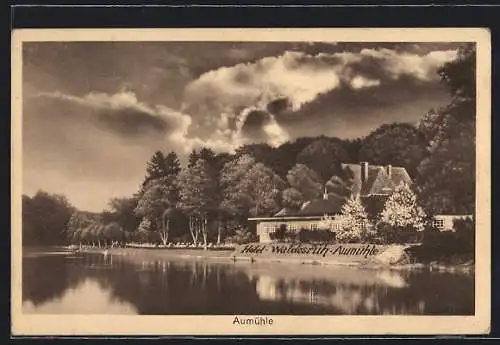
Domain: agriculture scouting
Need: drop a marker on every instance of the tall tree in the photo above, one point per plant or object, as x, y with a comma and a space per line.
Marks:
341, 185
44, 218
121, 211
250, 188
172, 164
447, 175
399, 144
353, 146
286, 155
261, 152
306, 181
262, 188
324, 156
159, 193
154, 202
193, 157
144, 230
460, 75
85, 227
292, 199
235, 202
155, 167
207, 154
216, 164
198, 197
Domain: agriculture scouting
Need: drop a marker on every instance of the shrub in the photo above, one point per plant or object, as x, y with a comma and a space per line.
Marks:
389, 234
242, 236
355, 221
465, 233
322, 236
280, 233
402, 210
447, 246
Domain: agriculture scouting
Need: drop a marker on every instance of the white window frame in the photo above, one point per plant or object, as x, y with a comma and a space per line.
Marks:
438, 223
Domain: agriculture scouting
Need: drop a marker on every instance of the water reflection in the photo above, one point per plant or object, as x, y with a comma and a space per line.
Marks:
94, 283
88, 297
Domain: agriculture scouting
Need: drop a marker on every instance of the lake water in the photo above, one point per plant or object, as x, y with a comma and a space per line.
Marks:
58, 282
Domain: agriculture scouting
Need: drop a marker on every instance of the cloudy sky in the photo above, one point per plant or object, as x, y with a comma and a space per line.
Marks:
94, 112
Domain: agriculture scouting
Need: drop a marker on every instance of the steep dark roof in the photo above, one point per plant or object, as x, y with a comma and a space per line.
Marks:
378, 181
285, 212
319, 207
399, 175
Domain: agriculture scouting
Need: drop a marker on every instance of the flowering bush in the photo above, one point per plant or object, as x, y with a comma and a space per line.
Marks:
356, 225
401, 210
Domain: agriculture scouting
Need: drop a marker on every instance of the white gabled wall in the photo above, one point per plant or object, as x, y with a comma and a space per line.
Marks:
265, 227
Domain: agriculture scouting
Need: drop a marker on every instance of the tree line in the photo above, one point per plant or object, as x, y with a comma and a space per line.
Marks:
210, 198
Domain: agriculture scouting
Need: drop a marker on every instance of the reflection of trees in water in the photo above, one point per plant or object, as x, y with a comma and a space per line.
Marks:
419, 295
191, 287
48, 277
197, 287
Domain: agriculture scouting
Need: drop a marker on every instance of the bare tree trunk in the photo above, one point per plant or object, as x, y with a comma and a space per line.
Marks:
218, 231
193, 229
204, 232
167, 230
164, 231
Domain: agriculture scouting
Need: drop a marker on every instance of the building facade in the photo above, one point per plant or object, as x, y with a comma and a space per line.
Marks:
444, 222
368, 181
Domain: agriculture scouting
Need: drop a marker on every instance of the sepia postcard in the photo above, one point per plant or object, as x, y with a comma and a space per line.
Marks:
206, 182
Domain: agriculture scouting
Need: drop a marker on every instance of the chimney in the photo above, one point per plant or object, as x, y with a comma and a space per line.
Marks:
389, 170
364, 172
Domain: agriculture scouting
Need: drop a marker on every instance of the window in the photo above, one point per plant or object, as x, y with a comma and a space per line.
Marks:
314, 226
269, 228
439, 223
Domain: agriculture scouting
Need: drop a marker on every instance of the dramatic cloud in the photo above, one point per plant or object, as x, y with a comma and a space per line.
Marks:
275, 89
396, 64
300, 78
257, 125
95, 112
256, 84
72, 143
123, 114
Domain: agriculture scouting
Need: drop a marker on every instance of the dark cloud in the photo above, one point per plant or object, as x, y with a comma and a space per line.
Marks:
120, 113
130, 121
255, 120
334, 113
279, 105
94, 112
256, 126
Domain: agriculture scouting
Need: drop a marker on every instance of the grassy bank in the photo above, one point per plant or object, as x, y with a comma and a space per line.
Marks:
228, 256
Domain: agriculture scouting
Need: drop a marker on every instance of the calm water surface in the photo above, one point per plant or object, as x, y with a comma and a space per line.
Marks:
58, 282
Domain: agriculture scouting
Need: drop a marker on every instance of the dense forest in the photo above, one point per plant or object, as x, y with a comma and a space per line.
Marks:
211, 197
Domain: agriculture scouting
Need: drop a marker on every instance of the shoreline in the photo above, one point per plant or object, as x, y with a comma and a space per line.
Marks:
227, 255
